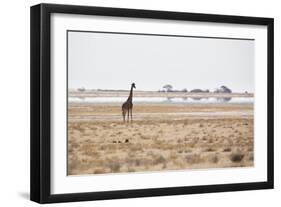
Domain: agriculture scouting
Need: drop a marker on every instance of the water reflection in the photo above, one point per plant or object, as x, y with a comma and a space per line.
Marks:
224, 99
184, 99
196, 98
82, 98
170, 100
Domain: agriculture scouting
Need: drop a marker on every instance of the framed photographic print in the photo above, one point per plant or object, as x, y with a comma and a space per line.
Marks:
133, 103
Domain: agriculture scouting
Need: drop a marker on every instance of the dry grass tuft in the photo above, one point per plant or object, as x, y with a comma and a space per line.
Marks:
99, 171
214, 158
237, 157
159, 160
113, 165
228, 149
209, 149
251, 157
193, 158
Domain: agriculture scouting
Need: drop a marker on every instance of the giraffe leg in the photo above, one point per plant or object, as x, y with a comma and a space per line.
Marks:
131, 115
124, 115
128, 118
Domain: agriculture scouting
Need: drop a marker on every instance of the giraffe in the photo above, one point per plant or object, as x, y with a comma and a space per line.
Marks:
127, 106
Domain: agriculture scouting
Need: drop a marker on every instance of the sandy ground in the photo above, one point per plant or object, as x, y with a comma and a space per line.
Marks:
161, 137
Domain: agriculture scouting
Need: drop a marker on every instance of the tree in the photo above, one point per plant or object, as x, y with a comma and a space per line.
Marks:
226, 89
223, 89
168, 87
82, 89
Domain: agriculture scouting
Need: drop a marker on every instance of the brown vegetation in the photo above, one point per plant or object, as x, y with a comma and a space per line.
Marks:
163, 137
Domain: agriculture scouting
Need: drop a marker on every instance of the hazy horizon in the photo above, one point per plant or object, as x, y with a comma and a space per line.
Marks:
128, 89
113, 61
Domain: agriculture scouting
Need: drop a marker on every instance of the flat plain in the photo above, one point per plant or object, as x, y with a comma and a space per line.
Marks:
162, 136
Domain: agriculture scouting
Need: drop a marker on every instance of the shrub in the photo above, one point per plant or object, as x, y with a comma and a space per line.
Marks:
251, 157
114, 166
214, 159
159, 160
193, 158
228, 149
236, 157
209, 149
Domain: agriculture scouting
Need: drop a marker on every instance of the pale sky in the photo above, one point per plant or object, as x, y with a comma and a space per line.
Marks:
114, 61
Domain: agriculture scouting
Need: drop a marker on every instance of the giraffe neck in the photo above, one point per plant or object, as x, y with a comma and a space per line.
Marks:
131, 95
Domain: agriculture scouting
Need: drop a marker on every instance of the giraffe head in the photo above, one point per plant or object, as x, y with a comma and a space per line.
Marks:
133, 85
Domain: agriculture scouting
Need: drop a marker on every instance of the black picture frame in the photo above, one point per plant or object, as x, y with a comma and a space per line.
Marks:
41, 103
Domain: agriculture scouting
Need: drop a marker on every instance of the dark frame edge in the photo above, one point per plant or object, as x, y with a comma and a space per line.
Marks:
35, 25
270, 103
156, 192
40, 104
156, 14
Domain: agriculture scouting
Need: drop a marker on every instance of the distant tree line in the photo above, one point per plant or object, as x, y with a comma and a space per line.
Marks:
221, 89
169, 88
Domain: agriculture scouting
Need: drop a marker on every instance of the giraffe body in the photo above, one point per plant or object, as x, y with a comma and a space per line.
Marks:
127, 107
